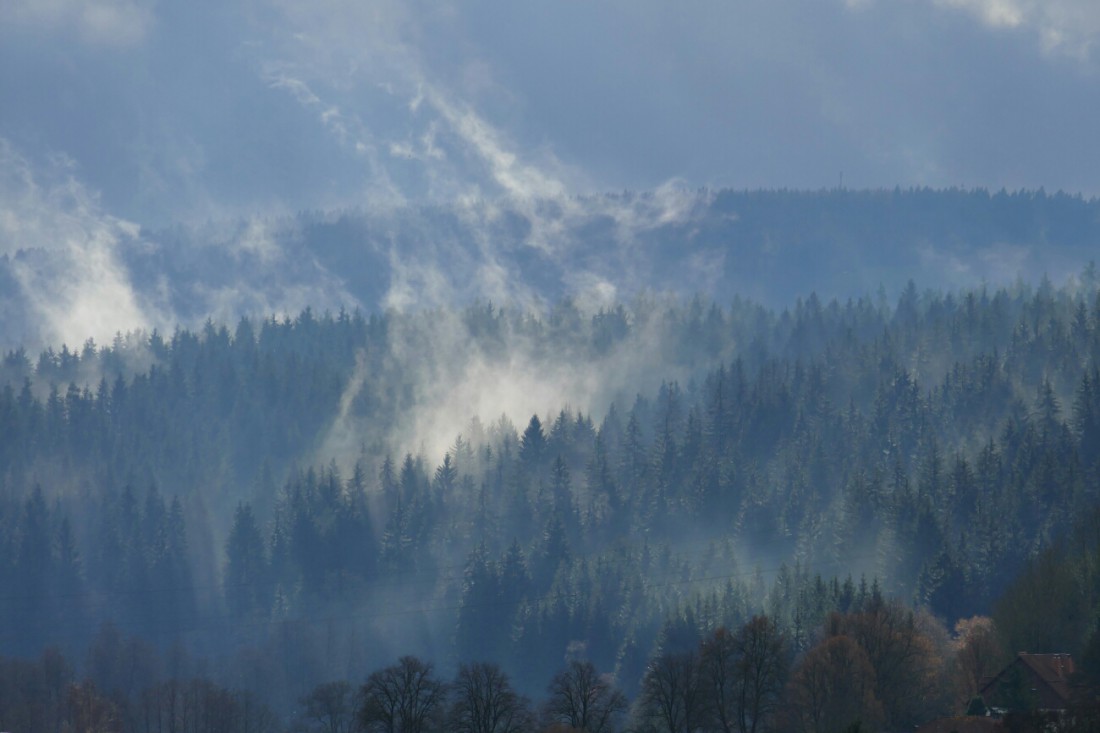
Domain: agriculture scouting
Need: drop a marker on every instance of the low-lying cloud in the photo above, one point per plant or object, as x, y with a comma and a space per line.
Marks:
101, 23
77, 272
485, 365
63, 251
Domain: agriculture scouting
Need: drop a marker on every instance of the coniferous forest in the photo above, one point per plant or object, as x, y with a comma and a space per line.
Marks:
748, 518
436, 366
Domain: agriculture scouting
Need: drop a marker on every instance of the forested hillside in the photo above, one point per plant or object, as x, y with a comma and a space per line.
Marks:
277, 503
406, 366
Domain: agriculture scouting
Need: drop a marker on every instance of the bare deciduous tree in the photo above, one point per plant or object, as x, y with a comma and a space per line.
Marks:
742, 675
762, 669
672, 693
484, 702
583, 699
329, 708
402, 698
254, 716
90, 711
719, 662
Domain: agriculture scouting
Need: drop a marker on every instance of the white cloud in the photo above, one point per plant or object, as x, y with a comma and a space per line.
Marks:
104, 23
1069, 27
346, 128
68, 259
516, 178
1061, 27
333, 57
63, 250
268, 274
996, 13
330, 115
592, 292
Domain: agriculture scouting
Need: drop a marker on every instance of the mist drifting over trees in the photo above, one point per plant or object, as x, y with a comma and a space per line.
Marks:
691, 512
424, 366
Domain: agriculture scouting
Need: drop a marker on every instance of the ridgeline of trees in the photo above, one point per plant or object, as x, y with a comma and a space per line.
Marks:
825, 488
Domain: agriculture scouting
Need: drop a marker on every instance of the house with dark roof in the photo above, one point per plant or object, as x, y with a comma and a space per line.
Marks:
1031, 682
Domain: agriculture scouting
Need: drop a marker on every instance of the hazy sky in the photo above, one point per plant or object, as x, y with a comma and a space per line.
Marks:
172, 111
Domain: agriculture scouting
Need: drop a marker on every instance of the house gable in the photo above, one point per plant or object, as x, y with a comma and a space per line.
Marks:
1031, 682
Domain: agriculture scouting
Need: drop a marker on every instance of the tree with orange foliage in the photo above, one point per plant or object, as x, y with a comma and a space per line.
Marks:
832, 688
978, 656
901, 647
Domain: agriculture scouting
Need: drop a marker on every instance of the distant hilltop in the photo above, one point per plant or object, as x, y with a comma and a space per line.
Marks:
768, 246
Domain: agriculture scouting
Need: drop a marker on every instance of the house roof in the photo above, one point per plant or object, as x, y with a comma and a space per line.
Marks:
1054, 669
1049, 672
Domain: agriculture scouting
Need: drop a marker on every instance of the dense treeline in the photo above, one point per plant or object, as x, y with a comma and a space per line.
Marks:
879, 666
264, 498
